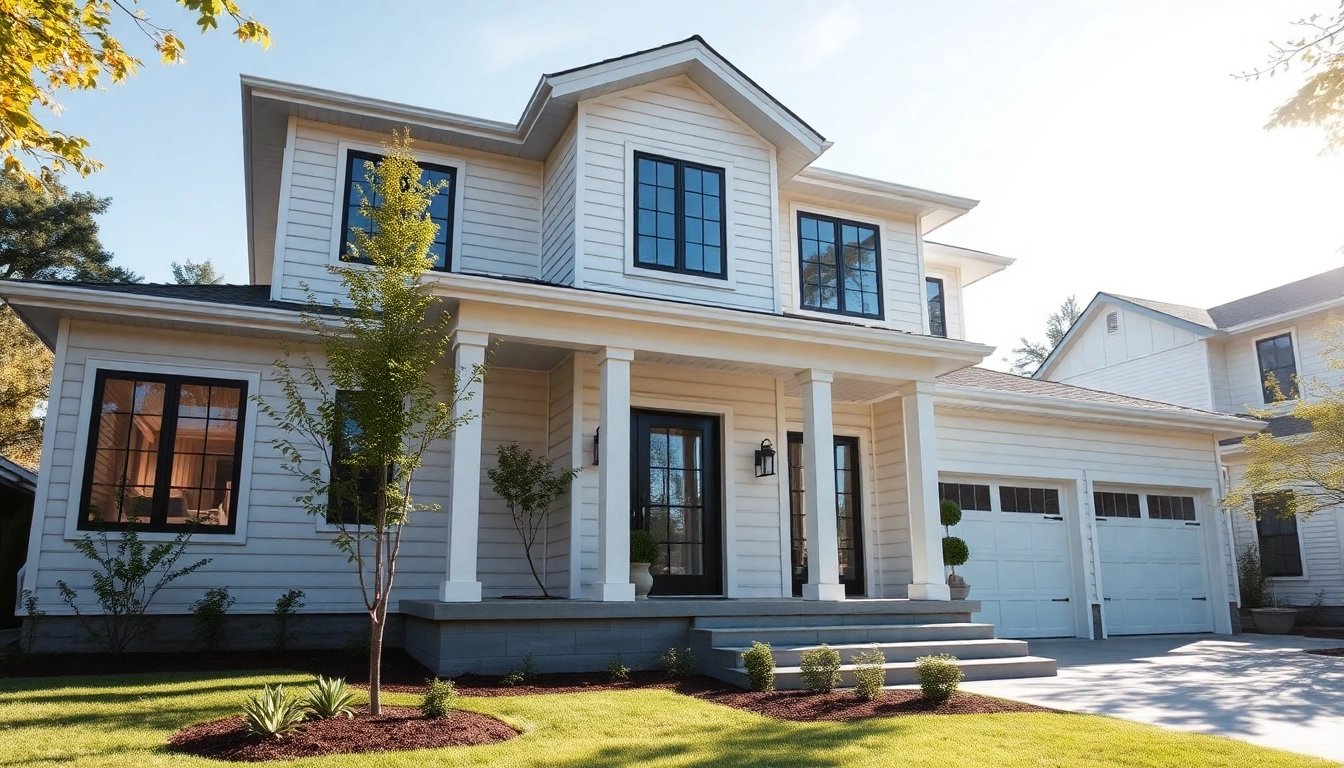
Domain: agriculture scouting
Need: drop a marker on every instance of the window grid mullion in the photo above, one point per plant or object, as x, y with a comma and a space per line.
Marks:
172, 393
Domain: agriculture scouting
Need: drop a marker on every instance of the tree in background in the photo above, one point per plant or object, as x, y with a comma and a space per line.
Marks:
377, 393
1319, 51
1032, 354
50, 45
192, 273
25, 375
1310, 466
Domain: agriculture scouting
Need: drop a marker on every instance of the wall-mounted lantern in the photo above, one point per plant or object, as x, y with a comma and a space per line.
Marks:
597, 440
765, 459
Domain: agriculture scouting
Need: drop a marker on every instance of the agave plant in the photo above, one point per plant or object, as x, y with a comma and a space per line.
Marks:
330, 697
272, 713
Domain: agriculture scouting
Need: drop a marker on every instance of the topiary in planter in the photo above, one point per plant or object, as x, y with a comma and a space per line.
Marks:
820, 669
949, 513
644, 548
955, 552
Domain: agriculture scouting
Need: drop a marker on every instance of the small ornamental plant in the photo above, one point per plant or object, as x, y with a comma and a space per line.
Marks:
522, 675
820, 669
617, 670
760, 665
329, 697
529, 485
679, 662
644, 548
272, 714
208, 616
286, 610
440, 698
870, 673
938, 676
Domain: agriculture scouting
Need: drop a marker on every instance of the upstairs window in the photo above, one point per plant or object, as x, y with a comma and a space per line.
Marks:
839, 266
933, 292
440, 208
164, 453
1276, 357
1280, 548
680, 222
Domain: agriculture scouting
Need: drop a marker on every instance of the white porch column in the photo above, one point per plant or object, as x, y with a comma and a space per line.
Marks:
464, 500
613, 479
921, 478
823, 555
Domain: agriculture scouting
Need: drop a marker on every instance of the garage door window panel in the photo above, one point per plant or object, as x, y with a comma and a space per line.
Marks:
1171, 508
1040, 501
972, 498
1109, 504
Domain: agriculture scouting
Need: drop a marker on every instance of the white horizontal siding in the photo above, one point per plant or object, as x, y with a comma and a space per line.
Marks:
1138, 335
557, 230
676, 119
1179, 375
560, 449
894, 568
1243, 365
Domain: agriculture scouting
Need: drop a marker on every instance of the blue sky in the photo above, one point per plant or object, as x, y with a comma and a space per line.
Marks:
1107, 141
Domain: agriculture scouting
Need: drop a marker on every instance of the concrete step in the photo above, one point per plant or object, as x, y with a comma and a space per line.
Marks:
867, 617
838, 634
791, 655
903, 672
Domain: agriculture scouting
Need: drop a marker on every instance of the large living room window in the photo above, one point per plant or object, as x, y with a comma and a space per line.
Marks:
1276, 358
440, 208
165, 452
680, 221
1280, 548
839, 266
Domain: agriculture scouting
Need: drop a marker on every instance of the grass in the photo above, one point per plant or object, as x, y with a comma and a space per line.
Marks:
123, 721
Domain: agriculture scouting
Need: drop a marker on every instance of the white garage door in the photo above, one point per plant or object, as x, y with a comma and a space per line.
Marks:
1154, 578
1019, 568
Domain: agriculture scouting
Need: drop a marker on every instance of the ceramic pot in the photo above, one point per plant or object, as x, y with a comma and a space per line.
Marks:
642, 579
1274, 621
960, 589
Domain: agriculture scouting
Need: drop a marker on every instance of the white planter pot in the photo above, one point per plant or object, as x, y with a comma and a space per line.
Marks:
642, 579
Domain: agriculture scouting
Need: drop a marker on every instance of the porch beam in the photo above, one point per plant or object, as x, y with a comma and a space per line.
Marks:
823, 557
613, 478
464, 498
921, 480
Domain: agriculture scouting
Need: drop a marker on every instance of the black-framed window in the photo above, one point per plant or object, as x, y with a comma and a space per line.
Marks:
340, 507
680, 216
1276, 357
971, 497
1043, 501
1110, 504
1171, 508
933, 293
164, 452
1280, 548
839, 263
440, 207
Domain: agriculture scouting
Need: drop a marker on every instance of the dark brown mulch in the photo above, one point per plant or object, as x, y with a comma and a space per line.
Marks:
400, 671
398, 728
1327, 652
580, 682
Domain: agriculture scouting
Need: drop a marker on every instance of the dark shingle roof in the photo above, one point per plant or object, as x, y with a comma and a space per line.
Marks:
1280, 426
1276, 301
983, 378
1189, 314
237, 295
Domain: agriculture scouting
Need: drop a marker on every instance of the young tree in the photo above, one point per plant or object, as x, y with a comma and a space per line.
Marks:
1319, 51
1032, 354
1311, 465
376, 392
51, 45
193, 273
529, 484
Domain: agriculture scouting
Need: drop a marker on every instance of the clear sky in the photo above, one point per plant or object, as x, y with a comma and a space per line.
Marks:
1109, 144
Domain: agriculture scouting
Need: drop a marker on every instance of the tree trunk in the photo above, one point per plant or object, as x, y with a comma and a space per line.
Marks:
377, 619
527, 550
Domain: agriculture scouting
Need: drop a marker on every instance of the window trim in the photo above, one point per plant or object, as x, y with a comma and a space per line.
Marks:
344, 147
635, 154
877, 228
187, 369
1291, 333
942, 304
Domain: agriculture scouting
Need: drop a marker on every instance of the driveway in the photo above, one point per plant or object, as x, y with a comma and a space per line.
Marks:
1258, 688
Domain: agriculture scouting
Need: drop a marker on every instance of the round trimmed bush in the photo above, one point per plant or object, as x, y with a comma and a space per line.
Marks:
644, 548
820, 669
955, 551
938, 676
949, 513
760, 665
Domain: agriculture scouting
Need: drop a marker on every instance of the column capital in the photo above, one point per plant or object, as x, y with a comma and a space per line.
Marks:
815, 375
465, 338
615, 353
916, 387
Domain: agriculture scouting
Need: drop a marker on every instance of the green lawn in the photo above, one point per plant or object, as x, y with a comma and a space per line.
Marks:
124, 720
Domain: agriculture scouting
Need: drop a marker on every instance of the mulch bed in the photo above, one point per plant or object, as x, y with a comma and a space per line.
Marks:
1327, 652
397, 728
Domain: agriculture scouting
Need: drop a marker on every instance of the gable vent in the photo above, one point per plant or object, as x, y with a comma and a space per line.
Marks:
1112, 322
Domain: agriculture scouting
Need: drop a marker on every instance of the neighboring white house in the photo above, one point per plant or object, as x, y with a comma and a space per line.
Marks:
648, 257
1218, 359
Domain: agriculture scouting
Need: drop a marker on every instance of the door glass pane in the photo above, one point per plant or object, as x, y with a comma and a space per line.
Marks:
847, 510
676, 499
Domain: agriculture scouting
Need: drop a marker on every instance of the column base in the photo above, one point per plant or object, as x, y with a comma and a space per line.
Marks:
460, 592
614, 592
931, 591
831, 593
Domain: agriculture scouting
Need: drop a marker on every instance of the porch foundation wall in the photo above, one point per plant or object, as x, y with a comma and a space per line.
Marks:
254, 632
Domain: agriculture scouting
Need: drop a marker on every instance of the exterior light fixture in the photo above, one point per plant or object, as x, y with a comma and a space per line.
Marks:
597, 440
765, 459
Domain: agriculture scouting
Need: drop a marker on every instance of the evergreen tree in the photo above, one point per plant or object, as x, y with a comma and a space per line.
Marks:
193, 273
1032, 354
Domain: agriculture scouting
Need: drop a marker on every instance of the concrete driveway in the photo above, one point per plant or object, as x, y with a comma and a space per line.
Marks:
1258, 688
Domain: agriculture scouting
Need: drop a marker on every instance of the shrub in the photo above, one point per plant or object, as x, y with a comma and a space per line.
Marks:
949, 513
938, 676
33, 616
617, 669
208, 617
529, 484
679, 662
820, 669
440, 698
330, 697
870, 674
272, 713
955, 551
760, 664
643, 547
285, 609
524, 674
1252, 579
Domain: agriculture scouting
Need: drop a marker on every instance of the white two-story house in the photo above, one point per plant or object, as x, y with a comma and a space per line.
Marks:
1219, 359
665, 287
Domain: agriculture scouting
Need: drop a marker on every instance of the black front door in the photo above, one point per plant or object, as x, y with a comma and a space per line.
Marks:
848, 513
677, 489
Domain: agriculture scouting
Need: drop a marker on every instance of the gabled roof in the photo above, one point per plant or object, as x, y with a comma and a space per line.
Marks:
1308, 292
1194, 315
984, 378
